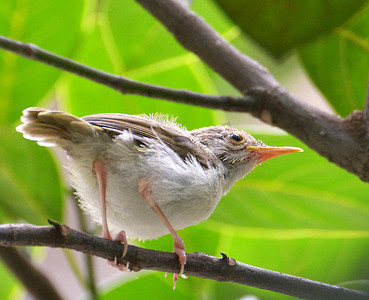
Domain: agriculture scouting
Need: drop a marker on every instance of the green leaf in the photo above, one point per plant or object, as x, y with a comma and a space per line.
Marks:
30, 186
281, 25
49, 24
338, 64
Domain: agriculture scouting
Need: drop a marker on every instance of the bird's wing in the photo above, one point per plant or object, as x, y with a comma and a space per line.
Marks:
143, 127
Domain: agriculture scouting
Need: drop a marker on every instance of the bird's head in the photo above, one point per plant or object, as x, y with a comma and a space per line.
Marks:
238, 151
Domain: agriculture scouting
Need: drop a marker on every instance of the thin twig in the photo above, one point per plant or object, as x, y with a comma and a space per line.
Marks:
120, 83
198, 264
37, 284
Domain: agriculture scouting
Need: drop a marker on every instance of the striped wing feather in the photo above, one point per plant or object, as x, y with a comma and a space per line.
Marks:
171, 135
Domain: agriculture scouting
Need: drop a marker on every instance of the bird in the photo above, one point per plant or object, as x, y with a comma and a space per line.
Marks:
144, 176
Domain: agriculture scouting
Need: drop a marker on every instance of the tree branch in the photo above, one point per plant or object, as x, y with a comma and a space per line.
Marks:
119, 83
36, 283
340, 141
198, 264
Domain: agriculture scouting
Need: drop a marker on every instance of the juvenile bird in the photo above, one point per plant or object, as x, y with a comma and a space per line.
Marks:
146, 174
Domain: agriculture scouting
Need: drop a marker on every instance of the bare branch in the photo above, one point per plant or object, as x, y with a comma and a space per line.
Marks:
36, 283
122, 84
198, 264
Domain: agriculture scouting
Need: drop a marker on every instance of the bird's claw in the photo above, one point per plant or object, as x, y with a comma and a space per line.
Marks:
179, 249
122, 238
114, 263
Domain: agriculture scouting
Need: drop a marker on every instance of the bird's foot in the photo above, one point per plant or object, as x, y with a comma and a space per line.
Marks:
179, 249
114, 263
122, 238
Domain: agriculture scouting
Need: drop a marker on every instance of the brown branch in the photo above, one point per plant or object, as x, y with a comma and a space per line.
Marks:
36, 283
340, 141
119, 83
198, 264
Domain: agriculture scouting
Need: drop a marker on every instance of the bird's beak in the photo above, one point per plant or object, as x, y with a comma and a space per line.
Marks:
266, 153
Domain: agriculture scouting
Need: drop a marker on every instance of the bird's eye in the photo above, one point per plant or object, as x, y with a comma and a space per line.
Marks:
235, 137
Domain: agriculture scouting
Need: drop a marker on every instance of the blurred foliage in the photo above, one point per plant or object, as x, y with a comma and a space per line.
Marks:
297, 214
9, 289
30, 187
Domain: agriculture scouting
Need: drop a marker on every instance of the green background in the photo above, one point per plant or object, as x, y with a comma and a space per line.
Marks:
297, 214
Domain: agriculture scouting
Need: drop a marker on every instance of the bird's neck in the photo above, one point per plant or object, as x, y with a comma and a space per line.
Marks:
232, 175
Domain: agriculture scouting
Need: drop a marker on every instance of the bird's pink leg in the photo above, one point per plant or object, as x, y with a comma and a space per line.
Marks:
100, 172
178, 245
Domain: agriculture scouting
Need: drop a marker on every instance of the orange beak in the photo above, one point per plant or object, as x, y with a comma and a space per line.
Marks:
266, 153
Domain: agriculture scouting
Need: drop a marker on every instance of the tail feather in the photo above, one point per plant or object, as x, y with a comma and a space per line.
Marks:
30, 114
53, 128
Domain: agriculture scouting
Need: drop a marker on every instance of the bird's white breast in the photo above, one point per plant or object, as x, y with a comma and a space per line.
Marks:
186, 193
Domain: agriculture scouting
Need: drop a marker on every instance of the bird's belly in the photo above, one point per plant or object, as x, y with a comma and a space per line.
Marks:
186, 199
128, 211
